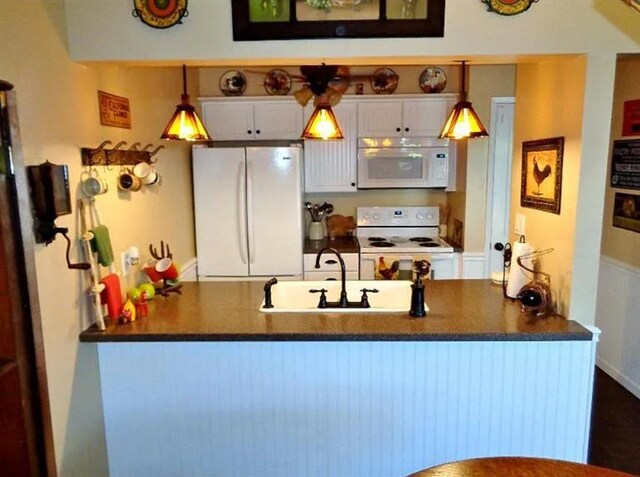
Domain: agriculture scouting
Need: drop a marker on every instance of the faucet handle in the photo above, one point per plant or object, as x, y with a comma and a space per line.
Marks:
323, 298
364, 300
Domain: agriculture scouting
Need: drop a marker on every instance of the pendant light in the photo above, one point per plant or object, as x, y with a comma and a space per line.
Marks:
463, 122
322, 124
185, 124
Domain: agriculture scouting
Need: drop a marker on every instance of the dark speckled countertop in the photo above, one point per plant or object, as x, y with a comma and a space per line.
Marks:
341, 244
461, 310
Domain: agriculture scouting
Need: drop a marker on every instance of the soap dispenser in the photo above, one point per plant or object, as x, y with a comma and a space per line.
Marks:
418, 310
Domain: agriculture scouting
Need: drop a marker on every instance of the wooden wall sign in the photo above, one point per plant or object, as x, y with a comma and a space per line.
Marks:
114, 110
625, 165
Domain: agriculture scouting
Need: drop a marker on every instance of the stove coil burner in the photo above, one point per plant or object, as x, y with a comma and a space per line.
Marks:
429, 244
382, 244
377, 239
421, 239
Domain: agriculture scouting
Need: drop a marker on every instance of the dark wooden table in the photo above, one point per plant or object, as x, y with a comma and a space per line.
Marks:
517, 467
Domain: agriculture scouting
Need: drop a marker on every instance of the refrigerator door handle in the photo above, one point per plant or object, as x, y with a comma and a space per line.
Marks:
242, 205
250, 225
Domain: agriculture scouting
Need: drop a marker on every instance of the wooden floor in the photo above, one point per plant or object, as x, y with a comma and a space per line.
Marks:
615, 429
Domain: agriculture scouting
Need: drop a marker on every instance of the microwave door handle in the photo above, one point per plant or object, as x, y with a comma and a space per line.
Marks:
242, 205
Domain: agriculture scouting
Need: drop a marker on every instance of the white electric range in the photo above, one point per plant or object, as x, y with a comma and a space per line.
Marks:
392, 239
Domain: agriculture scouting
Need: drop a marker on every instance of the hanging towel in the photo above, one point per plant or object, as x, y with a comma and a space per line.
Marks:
386, 268
101, 243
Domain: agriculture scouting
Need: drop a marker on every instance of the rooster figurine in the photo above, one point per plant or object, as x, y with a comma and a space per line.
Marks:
388, 272
540, 175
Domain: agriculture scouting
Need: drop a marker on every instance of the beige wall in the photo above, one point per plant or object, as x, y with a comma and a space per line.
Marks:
549, 103
58, 113
621, 244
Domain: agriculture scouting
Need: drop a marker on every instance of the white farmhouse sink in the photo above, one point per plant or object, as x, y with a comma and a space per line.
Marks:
294, 297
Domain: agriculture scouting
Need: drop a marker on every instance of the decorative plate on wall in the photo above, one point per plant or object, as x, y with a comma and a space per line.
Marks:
384, 81
508, 7
277, 82
233, 83
160, 13
433, 80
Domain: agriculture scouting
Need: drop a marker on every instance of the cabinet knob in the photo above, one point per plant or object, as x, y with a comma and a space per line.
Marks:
398, 129
406, 129
353, 184
257, 131
248, 131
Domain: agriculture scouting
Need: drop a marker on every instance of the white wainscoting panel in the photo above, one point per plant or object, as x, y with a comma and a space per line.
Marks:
618, 316
340, 408
189, 271
473, 265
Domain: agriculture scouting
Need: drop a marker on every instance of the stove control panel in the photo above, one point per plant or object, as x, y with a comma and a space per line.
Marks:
398, 216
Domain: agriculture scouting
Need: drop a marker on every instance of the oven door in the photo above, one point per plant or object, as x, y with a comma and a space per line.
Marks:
402, 167
388, 266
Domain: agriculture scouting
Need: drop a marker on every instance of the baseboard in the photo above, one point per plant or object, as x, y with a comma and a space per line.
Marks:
188, 272
627, 383
620, 265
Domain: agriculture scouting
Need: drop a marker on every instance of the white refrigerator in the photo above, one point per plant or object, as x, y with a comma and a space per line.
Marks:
248, 211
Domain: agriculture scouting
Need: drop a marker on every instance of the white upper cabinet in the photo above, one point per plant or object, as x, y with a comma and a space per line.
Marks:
249, 118
331, 166
419, 116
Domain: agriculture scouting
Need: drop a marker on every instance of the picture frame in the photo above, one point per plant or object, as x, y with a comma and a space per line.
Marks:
257, 20
541, 180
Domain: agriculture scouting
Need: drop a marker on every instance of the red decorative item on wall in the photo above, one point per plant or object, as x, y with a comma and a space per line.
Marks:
631, 118
160, 13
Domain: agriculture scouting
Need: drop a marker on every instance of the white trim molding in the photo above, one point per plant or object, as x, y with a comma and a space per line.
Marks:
617, 316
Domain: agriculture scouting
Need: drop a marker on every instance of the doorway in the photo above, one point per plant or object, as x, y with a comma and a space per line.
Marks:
499, 181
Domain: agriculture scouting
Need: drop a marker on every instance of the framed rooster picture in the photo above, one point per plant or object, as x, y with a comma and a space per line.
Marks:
541, 186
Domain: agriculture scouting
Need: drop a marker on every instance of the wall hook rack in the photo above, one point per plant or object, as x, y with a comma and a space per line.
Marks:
118, 154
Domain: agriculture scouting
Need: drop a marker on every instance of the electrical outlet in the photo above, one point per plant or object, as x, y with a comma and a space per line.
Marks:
520, 225
125, 260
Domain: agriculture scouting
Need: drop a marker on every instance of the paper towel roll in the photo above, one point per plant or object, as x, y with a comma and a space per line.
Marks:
517, 276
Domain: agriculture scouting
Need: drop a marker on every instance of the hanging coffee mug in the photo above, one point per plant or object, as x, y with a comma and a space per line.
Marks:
92, 184
128, 182
146, 173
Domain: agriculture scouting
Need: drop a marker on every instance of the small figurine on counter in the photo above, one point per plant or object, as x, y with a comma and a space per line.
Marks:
129, 310
142, 307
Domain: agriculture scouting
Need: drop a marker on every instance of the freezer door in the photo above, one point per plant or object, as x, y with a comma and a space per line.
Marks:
274, 210
219, 179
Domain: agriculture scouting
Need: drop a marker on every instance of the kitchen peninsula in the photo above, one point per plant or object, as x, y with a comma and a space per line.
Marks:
208, 385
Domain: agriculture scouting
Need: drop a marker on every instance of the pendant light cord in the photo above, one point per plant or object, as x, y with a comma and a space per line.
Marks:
463, 86
184, 79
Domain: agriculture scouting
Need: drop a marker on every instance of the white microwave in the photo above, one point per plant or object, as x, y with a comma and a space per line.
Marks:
402, 163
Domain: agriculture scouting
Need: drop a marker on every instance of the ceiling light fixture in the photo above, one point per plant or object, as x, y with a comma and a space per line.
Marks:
463, 122
185, 125
322, 124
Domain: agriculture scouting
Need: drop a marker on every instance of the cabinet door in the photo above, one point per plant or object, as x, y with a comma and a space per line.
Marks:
331, 166
425, 117
379, 118
278, 120
445, 266
227, 121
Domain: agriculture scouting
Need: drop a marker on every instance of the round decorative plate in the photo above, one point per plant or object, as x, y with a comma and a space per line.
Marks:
508, 7
160, 13
384, 81
433, 80
233, 83
277, 82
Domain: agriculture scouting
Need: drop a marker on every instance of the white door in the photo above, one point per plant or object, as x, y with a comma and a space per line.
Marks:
277, 120
228, 121
220, 211
499, 180
425, 117
274, 211
331, 166
378, 118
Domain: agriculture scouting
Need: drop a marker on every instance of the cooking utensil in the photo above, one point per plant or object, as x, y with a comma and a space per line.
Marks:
96, 287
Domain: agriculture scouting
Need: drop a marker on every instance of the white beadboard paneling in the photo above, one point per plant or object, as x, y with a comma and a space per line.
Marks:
340, 408
473, 264
618, 318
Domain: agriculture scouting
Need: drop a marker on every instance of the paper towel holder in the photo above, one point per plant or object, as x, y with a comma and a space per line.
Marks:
535, 297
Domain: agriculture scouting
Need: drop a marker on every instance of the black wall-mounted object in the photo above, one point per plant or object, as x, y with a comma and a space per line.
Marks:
51, 198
